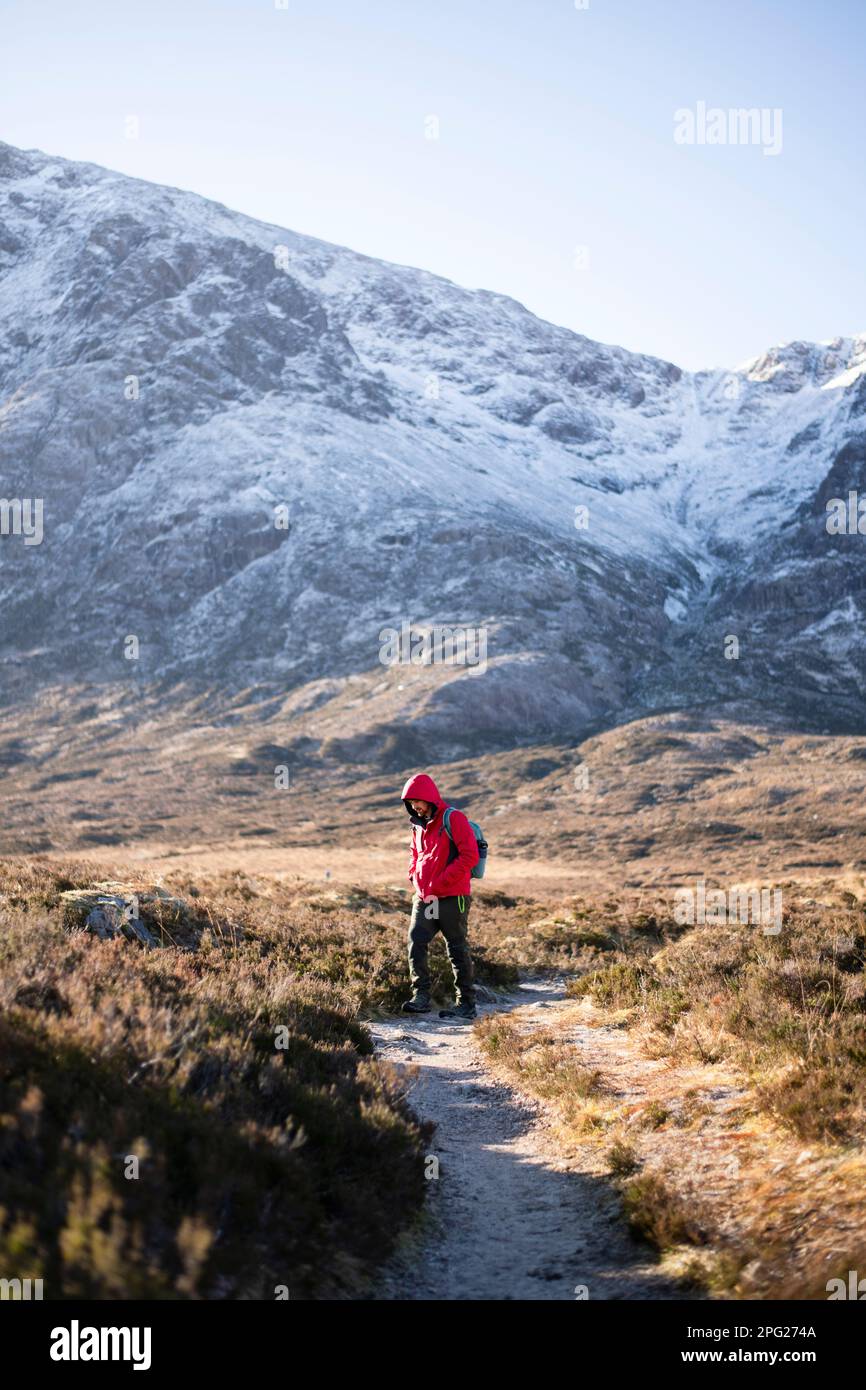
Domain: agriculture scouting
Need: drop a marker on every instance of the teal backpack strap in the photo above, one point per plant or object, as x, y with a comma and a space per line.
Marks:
453, 852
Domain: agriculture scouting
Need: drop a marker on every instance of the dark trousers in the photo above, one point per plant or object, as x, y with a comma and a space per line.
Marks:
453, 925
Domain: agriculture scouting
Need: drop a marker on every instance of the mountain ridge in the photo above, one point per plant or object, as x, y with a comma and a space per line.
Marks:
435, 451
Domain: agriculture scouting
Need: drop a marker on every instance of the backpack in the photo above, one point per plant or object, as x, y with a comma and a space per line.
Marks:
477, 870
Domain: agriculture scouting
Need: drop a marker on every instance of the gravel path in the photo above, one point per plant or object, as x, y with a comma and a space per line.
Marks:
507, 1217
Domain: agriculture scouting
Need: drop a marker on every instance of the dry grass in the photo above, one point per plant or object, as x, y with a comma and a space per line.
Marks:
263, 1166
272, 1148
789, 1010
658, 1214
546, 1068
260, 1165
732, 1113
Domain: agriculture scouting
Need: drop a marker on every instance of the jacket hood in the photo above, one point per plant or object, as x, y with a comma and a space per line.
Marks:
421, 788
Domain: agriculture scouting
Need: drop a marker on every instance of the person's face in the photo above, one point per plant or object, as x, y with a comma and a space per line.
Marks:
421, 808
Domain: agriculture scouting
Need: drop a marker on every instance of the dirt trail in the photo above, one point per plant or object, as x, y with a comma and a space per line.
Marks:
508, 1216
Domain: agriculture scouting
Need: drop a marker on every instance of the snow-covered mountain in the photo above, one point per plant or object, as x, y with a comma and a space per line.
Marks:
256, 450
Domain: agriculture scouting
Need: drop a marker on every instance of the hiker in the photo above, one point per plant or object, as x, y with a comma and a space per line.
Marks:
439, 872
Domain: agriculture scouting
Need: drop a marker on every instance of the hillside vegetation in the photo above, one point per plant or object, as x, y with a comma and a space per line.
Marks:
720, 1070
230, 1068
273, 1150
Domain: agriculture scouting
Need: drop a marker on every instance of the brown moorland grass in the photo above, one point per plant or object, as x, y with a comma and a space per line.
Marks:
722, 1070
788, 1009
546, 1068
259, 1165
272, 1149
263, 1166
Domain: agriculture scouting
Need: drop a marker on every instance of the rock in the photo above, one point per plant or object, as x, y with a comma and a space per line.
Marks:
116, 916
110, 909
101, 923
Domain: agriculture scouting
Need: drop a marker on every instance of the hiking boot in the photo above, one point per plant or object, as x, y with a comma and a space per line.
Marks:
459, 1011
418, 1004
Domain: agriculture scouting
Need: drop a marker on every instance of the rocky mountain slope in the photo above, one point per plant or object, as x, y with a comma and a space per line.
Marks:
255, 451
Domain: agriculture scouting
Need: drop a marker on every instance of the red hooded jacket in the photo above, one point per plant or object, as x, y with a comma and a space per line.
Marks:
429, 871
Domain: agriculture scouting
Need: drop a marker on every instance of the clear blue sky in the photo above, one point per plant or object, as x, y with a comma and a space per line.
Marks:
556, 132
